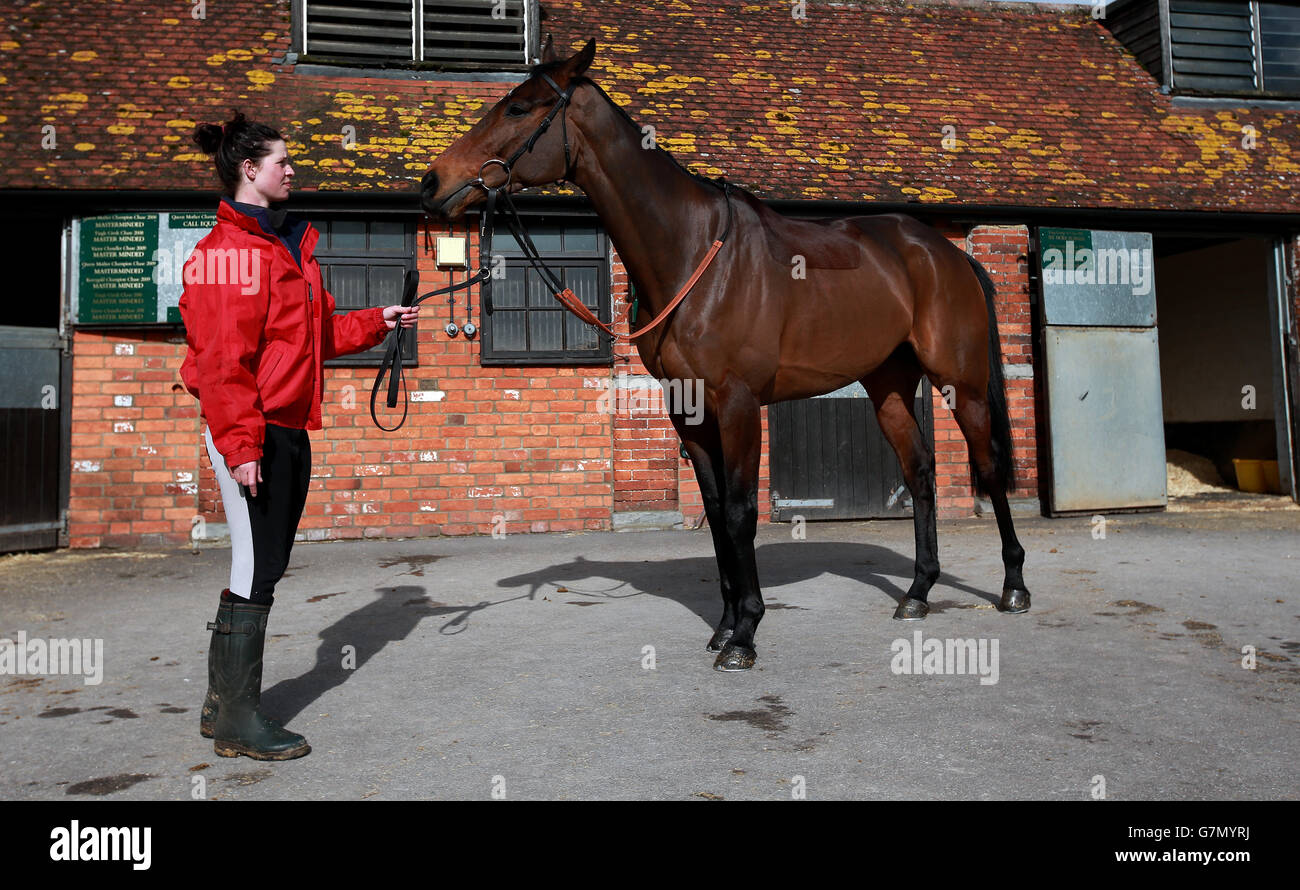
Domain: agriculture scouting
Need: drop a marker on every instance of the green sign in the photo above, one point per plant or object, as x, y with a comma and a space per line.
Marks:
1070, 242
127, 266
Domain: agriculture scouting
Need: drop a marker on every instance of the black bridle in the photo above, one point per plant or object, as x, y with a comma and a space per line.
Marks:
391, 364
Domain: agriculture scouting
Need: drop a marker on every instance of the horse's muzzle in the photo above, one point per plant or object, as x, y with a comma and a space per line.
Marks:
428, 189
450, 207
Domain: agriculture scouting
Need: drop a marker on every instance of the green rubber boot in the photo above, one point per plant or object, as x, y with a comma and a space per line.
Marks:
240, 728
208, 713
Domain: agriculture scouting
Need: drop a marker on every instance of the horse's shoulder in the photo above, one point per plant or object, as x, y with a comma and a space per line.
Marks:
823, 243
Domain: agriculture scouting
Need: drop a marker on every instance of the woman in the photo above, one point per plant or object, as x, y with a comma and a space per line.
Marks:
258, 324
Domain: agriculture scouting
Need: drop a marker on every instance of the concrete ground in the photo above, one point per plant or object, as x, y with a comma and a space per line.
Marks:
520, 666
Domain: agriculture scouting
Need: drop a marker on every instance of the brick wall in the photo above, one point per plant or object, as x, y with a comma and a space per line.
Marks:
134, 475
1004, 252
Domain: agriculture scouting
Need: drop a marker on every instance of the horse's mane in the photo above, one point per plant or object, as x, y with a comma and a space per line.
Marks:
549, 67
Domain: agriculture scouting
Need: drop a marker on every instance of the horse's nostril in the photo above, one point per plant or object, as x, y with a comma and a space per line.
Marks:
428, 188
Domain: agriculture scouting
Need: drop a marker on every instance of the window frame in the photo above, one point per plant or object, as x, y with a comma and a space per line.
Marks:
598, 259
404, 259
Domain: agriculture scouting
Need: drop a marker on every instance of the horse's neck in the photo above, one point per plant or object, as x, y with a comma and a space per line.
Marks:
657, 216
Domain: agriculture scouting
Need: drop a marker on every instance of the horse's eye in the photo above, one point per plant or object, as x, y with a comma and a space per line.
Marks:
516, 110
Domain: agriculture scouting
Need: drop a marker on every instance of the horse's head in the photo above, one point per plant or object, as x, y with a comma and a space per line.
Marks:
496, 149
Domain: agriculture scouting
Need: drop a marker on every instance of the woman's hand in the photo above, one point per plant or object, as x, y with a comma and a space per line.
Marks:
249, 474
406, 315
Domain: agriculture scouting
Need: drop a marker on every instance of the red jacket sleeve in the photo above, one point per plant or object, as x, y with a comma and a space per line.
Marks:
350, 332
228, 325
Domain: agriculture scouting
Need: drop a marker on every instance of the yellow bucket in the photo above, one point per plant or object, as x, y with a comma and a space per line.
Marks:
1250, 475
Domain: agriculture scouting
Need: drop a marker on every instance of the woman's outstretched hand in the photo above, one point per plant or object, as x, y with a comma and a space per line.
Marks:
407, 316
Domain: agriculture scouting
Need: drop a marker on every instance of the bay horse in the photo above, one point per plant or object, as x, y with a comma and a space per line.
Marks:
884, 299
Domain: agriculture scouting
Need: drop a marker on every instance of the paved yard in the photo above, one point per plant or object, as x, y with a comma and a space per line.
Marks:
522, 666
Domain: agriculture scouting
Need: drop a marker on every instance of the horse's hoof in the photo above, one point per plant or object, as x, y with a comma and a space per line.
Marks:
911, 609
735, 658
719, 639
1014, 600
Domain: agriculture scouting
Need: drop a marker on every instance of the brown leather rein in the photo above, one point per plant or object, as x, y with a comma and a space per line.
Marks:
574, 304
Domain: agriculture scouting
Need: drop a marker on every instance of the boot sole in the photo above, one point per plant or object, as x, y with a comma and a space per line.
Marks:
234, 749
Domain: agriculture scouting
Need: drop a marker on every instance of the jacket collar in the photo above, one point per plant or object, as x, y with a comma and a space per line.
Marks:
260, 224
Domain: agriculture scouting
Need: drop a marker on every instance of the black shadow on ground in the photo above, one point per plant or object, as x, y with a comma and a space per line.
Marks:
690, 581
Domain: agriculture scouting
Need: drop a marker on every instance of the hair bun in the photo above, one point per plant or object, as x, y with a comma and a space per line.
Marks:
208, 137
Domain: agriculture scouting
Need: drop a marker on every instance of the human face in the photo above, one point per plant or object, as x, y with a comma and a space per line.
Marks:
272, 177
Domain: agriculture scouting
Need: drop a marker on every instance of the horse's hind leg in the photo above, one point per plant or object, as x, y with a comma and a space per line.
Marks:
973, 416
892, 388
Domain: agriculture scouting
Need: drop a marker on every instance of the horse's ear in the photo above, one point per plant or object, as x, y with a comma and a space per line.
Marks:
548, 51
578, 65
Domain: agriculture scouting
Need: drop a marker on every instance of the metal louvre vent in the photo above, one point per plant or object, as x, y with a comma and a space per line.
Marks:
1212, 45
467, 34
361, 30
1279, 32
475, 33
1219, 47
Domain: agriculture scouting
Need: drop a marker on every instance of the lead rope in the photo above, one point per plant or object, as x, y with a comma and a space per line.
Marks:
391, 363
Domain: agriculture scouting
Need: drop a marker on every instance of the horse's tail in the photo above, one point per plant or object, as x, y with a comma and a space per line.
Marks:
999, 420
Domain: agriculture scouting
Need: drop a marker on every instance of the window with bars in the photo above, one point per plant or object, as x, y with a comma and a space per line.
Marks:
498, 35
363, 263
528, 326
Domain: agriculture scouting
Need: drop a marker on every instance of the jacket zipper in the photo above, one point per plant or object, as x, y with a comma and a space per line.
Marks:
311, 330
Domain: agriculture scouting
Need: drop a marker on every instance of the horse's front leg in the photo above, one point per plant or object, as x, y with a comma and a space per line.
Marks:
702, 445
741, 438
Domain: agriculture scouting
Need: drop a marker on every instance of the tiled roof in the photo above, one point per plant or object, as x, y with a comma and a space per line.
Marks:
851, 102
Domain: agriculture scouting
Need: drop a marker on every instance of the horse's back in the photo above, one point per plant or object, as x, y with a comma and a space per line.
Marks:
849, 242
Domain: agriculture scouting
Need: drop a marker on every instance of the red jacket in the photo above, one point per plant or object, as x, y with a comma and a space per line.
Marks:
258, 328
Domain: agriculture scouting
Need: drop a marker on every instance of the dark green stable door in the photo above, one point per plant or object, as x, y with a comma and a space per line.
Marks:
828, 458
